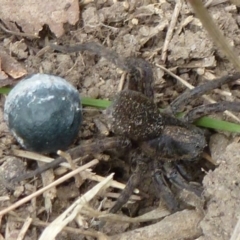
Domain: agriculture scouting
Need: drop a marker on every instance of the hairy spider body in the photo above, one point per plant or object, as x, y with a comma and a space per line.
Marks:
136, 117
176, 143
160, 139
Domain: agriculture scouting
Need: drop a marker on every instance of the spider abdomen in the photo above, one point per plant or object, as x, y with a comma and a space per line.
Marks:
135, 116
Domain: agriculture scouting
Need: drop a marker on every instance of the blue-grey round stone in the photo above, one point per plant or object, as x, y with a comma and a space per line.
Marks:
44, 113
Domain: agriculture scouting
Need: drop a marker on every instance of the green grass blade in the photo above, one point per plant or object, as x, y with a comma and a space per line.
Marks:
216, 124
5, 90
205, 122
98, 103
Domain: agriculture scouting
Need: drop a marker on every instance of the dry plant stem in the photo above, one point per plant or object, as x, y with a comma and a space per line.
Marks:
76, 231
34, 200
78, 178
171, 28
102, 128
42, 190
236, 232
47, 208
4, 198
70, 214
121, 82
209, 158
223, 92
116, 195
98, 178
155, 214
188, 85
79, 151
181, 80
31, 155
85, 174
214, 32
28, 35
42, 51
73, 66
214, 3
1, 218
47, 178
24, 229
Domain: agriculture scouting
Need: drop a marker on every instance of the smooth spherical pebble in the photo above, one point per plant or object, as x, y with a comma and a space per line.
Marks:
44, 113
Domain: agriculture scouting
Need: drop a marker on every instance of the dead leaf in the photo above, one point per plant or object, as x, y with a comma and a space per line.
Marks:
10, 66
31, 15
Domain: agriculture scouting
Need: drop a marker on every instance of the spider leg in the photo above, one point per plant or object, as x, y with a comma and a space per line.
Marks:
165, 193
140, 72
175, 177
204, 110
132, 183
97, 49
198, 91
140, 77
183, 171
79, 151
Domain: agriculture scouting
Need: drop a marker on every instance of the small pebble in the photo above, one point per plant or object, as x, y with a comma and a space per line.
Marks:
44, 113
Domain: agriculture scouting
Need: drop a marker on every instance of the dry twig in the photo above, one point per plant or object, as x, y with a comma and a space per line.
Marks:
70, 214
67, 156
42, 190
214, 32
171, 28
24, 229
85, 174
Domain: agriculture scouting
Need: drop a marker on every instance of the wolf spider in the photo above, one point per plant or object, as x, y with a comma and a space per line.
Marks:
160, 138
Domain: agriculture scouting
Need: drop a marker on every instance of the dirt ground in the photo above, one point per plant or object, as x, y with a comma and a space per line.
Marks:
133, 28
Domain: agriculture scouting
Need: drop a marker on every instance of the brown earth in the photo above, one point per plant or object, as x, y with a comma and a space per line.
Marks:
134, 28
